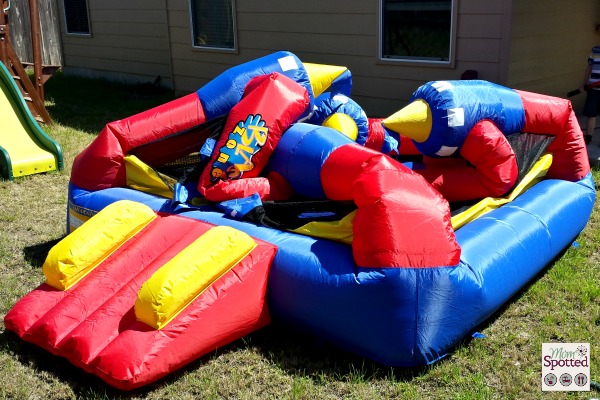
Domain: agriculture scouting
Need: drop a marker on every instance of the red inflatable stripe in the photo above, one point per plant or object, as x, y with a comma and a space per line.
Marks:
484, 175
101, 166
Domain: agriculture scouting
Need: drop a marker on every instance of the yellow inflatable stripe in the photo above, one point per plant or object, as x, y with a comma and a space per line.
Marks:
340, 231
142, 177
321, 76
535, 174
85, 248
183, 278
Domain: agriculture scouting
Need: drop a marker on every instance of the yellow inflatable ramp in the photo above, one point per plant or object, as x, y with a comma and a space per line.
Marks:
25, 148
187, 275
79, 253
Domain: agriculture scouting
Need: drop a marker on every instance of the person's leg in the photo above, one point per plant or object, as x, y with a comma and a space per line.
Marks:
591, 125
590, 110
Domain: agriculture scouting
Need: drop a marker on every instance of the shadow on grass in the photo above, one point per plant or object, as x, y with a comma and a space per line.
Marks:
83, 384
297, 354
38, 359
300, 355
89, 104
304, 355
36, 254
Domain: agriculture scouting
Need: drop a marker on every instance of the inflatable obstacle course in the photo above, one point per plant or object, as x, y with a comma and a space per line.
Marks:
353, 243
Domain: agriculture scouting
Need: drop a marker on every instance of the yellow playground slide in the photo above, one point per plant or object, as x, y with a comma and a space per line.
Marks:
25, 148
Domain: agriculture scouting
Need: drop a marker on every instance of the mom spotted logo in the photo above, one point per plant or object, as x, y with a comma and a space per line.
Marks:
565, 366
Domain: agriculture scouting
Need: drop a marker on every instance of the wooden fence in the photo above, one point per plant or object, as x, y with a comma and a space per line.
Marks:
20, 31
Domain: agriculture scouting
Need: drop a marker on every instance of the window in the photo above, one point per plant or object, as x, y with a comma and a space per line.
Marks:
213, 24
77, 18
417, 30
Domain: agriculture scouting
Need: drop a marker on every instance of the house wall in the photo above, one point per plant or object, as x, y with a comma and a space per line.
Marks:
505, 41
128, 42
339, 33
550, 43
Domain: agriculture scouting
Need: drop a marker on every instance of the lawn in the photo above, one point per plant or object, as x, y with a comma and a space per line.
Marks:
561, 305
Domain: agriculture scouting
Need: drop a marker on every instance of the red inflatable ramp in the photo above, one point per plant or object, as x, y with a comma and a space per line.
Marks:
132, 296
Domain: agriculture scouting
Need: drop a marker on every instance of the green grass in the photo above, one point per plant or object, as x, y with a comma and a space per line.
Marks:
563, 304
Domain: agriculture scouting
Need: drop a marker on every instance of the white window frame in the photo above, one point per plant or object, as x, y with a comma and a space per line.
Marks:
233, 49
420, 61
89, 23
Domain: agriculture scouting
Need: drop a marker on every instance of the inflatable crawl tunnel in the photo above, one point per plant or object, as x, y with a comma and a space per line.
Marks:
272, 217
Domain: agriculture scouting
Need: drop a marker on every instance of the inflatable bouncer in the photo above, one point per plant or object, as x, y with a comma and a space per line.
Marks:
269, 195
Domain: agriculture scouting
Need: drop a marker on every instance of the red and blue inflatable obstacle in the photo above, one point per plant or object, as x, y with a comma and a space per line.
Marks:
178, 128
405, 293
471, 120
319, 163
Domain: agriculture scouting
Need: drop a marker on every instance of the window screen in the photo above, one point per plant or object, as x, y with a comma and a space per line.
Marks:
213, 23
76, 16
416, 30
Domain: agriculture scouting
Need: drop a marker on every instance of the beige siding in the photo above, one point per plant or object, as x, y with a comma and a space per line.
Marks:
129, 41
339, 33
550, 42
533, 45
481, 38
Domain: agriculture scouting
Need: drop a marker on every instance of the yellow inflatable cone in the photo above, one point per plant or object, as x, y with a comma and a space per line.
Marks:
413, 121
321, 76
343, 123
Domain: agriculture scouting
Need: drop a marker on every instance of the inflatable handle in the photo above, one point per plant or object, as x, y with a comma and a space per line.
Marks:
80, 252
181, 280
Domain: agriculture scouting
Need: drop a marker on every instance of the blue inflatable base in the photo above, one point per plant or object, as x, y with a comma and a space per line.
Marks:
403, 316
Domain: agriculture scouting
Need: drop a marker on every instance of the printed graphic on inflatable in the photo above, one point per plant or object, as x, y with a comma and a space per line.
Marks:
268, 196
235, 157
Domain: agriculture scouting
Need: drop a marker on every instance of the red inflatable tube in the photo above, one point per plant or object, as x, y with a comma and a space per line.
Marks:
101, 166
271, 103
376, 134
395, 205
485, 176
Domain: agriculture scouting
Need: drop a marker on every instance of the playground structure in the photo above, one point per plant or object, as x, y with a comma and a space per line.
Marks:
33, 92
306, 226
25, 148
